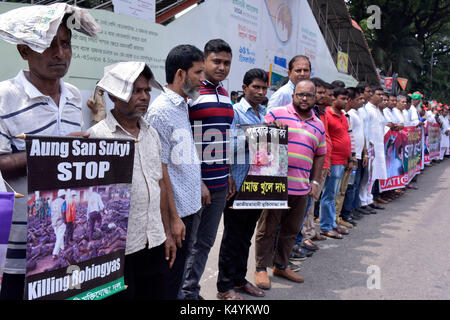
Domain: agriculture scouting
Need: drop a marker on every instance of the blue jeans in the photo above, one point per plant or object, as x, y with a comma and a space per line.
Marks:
299, 239
351, 201
327, 202
205, 227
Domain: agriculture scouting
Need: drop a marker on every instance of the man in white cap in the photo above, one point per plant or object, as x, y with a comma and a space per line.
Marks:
59, 207
150, 249
36, 101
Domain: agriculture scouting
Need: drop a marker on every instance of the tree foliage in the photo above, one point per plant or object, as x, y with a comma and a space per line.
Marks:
411, 33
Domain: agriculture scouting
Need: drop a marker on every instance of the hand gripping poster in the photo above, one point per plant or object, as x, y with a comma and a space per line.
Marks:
265, 186
78, 199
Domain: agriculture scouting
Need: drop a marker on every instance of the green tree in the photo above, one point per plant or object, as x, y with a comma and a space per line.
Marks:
411, 33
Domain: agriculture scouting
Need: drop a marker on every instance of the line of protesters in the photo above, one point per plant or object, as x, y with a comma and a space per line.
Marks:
178, 193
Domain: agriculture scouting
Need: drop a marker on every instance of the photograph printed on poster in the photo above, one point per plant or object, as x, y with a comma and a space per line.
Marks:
69, 226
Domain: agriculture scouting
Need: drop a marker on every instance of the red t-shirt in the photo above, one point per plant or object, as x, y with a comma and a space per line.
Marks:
340, 139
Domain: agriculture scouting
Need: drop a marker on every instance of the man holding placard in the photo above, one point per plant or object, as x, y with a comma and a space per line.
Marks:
36, 101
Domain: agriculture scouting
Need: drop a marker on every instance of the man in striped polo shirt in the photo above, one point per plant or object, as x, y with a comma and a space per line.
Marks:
36, 101
306, 155
211, 115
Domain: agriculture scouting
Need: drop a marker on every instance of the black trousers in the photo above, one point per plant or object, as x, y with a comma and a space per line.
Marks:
239, 227
146, 274
13, 286
176, 273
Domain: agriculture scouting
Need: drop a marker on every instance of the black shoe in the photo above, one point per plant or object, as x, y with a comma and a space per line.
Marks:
376, 206
294, 267
349, 220
297, 256
356, 215
307, 252
363, 211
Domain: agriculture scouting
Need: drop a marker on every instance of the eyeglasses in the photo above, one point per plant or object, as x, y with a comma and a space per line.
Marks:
301, 95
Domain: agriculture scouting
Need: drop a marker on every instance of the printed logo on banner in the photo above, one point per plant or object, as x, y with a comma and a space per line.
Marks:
281, 18
78, 204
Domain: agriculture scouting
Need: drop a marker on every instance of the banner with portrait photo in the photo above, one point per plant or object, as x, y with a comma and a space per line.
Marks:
432, 142
403, 150
78, 204
265, 186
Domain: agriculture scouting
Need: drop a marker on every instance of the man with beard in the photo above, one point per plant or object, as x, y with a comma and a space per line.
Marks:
150, 249
211, 112
298, 68
36, 101
169, 115
308, 230
306, 155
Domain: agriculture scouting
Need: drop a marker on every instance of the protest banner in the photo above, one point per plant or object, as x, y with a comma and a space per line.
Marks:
6, 212
432, 142
265, 186
76, 236
403, 150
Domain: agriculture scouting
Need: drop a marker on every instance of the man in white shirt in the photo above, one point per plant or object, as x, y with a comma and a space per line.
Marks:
94, 208
445, 131
299, 68
398, 109
150, 248
375, 138
351, 200
36, 101
59, 208
410, 114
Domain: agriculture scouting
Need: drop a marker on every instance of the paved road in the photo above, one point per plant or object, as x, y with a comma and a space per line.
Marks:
407, 245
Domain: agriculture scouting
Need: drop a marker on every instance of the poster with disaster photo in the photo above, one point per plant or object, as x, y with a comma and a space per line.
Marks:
265, 186
78, 204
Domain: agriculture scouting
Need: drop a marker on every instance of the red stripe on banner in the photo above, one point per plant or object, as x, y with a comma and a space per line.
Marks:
394, 183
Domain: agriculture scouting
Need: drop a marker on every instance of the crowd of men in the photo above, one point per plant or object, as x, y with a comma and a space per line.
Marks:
180, 195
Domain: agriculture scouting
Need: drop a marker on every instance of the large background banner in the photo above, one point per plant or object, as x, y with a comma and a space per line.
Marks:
403, 150
265, 186
78, 204
263, 34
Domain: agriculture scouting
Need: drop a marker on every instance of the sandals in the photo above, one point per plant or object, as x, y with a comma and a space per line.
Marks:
250, 289
331, 234
229, 295
341, 230
319, 237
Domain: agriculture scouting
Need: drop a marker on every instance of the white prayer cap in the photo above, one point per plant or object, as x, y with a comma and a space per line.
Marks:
119, 78
61, 192
37, 25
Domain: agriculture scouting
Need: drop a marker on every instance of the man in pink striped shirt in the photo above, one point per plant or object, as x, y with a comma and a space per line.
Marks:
306, 155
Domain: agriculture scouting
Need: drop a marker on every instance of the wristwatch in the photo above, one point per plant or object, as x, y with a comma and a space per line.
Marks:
315, 182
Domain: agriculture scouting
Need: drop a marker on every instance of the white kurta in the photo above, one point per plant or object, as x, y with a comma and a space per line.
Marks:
444, 137
430, 116
399, 115
376, 124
